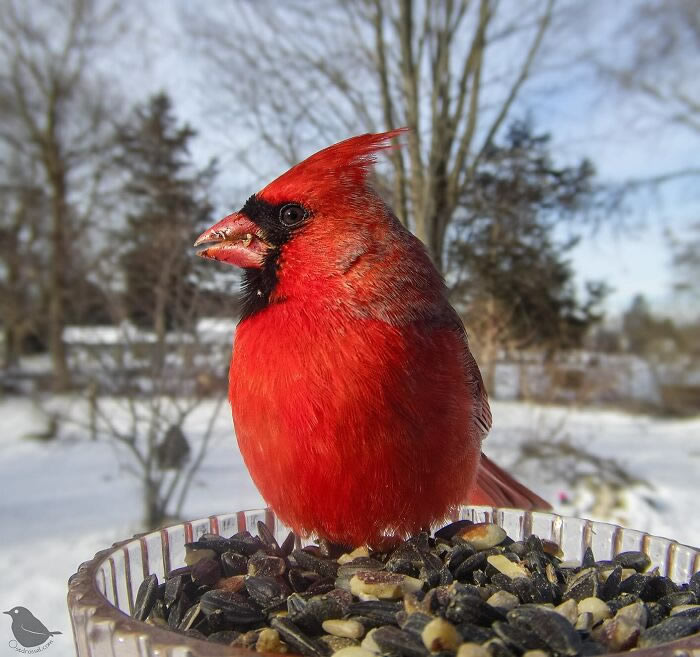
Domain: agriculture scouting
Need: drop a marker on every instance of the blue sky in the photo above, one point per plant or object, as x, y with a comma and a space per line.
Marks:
632, 251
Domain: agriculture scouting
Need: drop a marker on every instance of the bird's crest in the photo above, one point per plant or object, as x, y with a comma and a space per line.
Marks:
348, 161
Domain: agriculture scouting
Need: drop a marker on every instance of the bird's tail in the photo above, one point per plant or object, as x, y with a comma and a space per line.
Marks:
495, 487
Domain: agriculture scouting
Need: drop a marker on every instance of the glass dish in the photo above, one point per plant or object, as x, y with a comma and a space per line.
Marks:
102, 593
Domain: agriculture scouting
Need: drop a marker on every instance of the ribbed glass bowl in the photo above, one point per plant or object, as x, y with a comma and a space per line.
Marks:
102, 593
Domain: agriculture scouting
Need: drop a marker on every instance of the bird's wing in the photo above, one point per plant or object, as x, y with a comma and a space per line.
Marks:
481, 411
481, 415
33, 626
494, 486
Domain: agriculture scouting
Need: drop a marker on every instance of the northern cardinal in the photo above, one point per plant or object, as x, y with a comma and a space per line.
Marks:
358, 407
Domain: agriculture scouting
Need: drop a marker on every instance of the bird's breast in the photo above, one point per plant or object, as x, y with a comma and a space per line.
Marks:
315, 398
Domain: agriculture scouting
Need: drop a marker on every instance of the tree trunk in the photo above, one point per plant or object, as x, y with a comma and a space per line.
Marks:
57, 279
160, 317
11, 354
55, 166
14, 307
153, 515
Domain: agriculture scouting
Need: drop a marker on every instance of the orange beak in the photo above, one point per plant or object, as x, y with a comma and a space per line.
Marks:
235, 240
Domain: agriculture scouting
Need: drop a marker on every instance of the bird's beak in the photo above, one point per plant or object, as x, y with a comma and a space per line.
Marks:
235, 240
7, 612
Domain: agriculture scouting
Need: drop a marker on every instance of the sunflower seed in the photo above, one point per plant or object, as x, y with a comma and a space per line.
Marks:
145, 598
269, 641
393, 640
470, 564
353, 651
440, 635
596, 607
309, 561
582, 585
670, 629
637, 560
264, 565
472, 650
193, 553
482, 536
497, 648
518, 638
349, 628
265, 591
504, 565
336, 643
235, 608
227, 637
611, 587
234, 583
173, 589
449, 531
622, 631
383, 584
359, 564
298, 640
503, 601
691, 611
245, 543
569, 610
206, 572
679, 598
464, 607
178, 610
548, 626
347, 557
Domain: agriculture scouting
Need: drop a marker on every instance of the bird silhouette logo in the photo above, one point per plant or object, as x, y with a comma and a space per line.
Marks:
27, 628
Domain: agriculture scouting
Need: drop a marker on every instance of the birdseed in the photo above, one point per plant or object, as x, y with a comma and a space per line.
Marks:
466, 591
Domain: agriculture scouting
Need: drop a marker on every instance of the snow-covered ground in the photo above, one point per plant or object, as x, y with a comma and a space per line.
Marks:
65, 499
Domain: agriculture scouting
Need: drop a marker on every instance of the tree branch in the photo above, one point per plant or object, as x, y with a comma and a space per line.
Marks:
515, 88
400, 195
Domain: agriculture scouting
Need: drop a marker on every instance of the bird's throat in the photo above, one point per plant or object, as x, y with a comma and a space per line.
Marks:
258, 284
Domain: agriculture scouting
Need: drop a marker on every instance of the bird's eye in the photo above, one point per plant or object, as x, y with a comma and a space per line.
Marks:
292, 214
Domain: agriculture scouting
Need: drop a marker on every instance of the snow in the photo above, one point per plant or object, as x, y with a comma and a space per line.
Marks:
208, 329
66, 499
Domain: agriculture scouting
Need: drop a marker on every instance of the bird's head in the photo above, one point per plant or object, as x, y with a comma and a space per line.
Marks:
16, 611
307, 227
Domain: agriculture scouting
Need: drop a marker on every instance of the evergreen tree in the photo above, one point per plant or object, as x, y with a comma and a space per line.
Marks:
168, 204
686, 262
508, 270
645, 331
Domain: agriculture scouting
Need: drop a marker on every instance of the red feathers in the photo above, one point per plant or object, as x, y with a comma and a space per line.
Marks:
344, 164
358, 407
335, 436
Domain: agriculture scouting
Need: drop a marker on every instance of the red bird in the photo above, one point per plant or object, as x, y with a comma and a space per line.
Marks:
358, 407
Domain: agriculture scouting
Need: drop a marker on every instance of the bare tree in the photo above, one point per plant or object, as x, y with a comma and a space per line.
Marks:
55, 111
658, 71
22, 205
302, 75
153, 369
159, 418
686, 263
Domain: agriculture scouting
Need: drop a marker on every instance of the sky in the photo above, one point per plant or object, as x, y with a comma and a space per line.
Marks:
632, 252
585, 118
